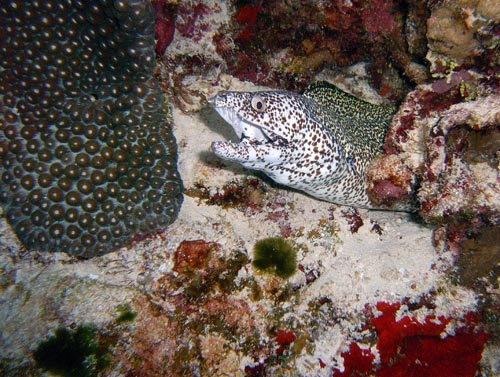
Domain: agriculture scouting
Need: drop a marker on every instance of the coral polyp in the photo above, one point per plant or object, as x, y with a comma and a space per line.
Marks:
87, 155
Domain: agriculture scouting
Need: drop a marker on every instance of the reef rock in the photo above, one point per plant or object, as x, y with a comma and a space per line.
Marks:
463, 32
444, 150
461, 167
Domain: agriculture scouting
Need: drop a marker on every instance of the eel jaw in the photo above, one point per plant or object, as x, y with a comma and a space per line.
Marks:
252, 137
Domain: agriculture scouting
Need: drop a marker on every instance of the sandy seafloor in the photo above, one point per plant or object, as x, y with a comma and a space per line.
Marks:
39, 292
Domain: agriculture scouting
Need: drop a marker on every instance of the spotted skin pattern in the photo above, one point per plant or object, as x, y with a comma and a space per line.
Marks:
320, 142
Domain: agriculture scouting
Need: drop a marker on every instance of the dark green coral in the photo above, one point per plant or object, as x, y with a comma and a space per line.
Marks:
87, 154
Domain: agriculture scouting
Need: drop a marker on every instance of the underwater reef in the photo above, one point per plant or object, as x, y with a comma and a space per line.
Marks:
284, 45
365, 293
443, 146
87, 154
439, 60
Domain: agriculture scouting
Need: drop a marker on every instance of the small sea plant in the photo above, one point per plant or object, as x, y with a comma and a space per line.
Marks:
125, 313
72, 352
275, 255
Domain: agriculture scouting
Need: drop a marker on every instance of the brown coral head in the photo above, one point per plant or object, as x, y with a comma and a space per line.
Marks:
86, 157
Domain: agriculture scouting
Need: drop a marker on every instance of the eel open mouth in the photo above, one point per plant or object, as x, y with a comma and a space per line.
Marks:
258, 135
248, 132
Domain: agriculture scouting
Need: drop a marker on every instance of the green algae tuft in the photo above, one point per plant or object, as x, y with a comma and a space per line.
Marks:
275, 255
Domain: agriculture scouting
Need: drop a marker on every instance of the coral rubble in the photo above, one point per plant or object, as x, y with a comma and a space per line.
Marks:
87, 158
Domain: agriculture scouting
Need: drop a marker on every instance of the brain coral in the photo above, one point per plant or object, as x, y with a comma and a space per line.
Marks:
87, 154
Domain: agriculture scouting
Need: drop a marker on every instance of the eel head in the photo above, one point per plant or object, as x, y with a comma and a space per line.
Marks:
277, 132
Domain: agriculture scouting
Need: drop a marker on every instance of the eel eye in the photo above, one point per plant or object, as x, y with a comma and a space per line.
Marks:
258, 104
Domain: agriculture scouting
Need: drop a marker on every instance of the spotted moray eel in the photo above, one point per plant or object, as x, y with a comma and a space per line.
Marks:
320, 142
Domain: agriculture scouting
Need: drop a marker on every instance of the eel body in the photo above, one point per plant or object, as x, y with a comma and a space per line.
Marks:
320, 142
